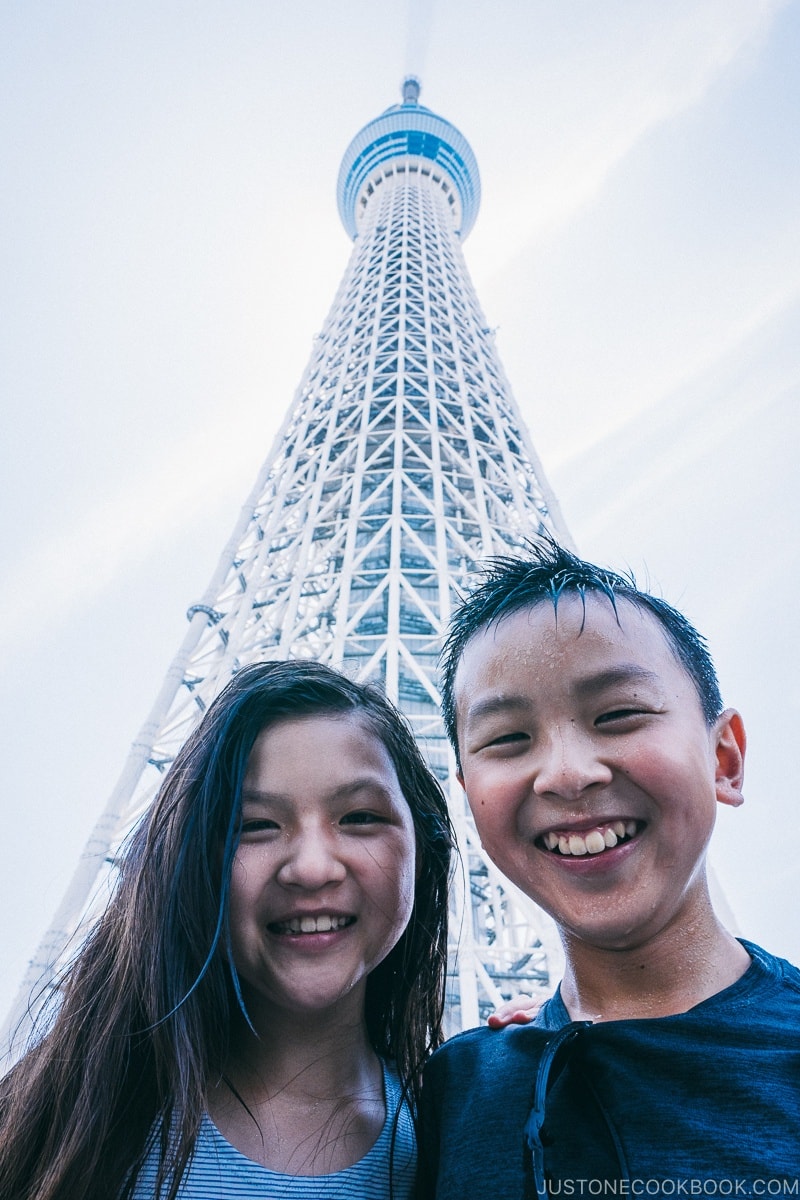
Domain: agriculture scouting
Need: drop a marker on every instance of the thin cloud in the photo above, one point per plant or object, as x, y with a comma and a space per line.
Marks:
667, 70
124, 529
703, 361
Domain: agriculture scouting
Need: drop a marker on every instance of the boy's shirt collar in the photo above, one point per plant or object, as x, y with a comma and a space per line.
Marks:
553, 1013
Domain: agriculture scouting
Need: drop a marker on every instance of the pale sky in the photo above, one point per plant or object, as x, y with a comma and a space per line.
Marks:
170, 245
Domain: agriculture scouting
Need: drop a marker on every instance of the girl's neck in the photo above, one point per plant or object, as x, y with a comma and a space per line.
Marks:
298, 1051
304, 1097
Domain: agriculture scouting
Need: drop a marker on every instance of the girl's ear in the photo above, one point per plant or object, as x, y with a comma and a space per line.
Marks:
731, 742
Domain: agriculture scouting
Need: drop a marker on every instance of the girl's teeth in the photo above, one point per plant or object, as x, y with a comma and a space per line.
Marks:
610, 838
595, 842
323, 924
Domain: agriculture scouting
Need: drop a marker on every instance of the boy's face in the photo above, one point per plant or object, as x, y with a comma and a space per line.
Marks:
589, 767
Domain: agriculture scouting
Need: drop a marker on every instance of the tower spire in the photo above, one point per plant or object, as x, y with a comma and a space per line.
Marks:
401, 464
411, 88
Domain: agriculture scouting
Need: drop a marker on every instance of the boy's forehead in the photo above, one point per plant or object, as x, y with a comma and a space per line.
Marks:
534, 635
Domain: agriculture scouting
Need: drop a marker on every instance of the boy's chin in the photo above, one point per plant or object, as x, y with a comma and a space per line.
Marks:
627, 931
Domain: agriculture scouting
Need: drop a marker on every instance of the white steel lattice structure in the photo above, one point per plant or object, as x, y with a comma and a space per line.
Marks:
401, 464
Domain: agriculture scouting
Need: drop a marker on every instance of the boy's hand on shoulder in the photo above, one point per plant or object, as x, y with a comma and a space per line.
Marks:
519, 1010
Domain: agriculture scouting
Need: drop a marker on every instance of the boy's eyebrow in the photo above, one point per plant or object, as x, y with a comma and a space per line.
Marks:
623, 673
496, 704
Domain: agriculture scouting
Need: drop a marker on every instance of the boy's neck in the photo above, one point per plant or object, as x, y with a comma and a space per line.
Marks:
669, 974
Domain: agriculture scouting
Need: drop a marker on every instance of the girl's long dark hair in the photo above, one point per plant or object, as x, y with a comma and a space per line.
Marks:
145, 1009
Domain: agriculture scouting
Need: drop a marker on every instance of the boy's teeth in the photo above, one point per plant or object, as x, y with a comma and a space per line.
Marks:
594, 842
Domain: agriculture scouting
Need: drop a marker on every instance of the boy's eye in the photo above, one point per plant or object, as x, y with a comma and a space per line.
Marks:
508, 739
618, 714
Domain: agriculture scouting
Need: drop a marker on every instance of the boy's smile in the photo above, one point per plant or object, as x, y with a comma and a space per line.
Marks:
590, 769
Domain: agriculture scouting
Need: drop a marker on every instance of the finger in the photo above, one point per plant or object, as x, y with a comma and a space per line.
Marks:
519, 1016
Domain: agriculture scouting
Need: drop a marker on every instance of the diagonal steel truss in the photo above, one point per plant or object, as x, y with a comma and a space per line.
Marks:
401, 463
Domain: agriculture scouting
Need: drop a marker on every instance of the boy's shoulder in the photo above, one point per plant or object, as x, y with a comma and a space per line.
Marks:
478, 1092
483, 1081
768, 994
487, 1049
779, 969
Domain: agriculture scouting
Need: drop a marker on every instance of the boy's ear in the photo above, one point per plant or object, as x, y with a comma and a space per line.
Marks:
731, 743
460, 776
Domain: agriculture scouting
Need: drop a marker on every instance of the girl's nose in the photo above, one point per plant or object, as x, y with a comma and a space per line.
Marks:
311, 861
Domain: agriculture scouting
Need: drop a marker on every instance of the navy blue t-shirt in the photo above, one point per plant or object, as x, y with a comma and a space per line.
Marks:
703, 1103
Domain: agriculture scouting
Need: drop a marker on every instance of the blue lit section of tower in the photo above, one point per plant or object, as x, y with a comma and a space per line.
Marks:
409, 130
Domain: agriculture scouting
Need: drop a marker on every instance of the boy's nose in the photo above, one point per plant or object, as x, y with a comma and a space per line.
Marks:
567, 763
311, 861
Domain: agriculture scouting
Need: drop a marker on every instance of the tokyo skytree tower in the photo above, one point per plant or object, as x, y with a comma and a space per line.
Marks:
401, 464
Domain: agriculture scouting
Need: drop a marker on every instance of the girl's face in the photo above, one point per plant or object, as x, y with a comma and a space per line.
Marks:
323, 879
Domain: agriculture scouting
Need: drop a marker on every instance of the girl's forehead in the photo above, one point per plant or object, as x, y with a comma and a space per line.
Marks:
332, 724
320, 748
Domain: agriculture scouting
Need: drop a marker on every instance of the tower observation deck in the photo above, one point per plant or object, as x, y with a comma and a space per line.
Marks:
402, 463
408, 131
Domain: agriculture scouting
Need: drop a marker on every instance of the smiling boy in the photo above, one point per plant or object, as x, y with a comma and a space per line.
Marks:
594, 748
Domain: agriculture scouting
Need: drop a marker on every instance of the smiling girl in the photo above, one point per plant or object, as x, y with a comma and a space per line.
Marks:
250, 1015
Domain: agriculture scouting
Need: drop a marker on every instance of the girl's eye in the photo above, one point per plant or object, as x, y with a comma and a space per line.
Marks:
362, 818
258, 825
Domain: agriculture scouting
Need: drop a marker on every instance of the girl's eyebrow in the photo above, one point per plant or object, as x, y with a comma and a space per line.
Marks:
254, 796
365, 783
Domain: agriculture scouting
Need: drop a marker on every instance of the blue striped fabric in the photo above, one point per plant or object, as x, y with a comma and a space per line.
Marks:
219, 1171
